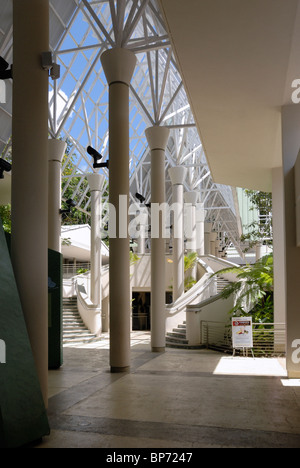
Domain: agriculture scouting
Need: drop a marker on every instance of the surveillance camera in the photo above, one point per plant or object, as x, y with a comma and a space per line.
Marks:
3, 64
140, 197
5, 74
4, 167
71, 203
92, 152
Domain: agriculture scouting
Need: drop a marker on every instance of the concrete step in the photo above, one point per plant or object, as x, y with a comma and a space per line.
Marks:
183, 346
182, 331
74, 330
177, 339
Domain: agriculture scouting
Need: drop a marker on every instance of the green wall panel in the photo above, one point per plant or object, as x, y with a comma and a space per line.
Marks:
55, 283
23, 417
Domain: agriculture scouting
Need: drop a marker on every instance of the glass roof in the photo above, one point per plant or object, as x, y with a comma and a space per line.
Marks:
78, 102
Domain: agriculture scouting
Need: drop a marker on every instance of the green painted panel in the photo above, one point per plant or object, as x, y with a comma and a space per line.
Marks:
23, 417
55, 285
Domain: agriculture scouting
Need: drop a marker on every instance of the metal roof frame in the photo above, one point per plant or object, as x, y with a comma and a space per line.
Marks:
80, 31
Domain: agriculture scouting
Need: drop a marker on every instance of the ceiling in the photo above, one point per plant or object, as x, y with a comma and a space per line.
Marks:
80, 30
238, 59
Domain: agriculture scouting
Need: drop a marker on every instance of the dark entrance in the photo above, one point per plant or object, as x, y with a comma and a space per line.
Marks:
141, 310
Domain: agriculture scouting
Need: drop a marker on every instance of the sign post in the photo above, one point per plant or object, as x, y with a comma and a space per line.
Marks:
242, 334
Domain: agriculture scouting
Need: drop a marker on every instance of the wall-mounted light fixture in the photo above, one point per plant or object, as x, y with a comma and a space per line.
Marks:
97, 157
4, 167
5, 73
70, 204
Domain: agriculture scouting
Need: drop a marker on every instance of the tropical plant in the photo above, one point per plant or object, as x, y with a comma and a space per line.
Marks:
5, 216
253, 290
189, 263
134, 258
260, 231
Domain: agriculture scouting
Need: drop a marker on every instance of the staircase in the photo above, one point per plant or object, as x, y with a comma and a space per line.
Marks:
221, 284
177, 338
74, 330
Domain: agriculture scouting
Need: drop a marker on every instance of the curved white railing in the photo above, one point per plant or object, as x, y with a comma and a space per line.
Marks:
205, 288
203, 296
90, 314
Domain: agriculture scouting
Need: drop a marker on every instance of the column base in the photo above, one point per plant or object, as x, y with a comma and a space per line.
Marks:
158, 350
293, 375
119, 370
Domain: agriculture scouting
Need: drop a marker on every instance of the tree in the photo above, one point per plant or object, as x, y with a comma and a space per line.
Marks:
5, 215
253, 290
189, 263
75, 187
260, 231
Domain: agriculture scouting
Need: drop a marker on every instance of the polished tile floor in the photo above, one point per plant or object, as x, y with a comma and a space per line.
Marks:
180, 399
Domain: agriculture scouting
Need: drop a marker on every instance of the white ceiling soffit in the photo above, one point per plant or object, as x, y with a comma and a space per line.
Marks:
238, 59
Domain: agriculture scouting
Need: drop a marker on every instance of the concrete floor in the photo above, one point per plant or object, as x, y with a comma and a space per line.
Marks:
180, 399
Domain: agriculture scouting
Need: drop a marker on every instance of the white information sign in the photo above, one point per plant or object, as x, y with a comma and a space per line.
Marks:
242, 332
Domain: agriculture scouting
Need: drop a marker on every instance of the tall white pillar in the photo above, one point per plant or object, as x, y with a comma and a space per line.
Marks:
96, 183
200, 234
143, 219
57, 150
157, 138
119, 65
279, 257
217, 247
207, 231
291, 146
213, 238
191, 199
178, 176
30, 174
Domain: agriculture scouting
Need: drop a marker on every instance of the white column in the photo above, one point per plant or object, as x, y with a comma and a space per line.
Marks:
157, 139
96, 183
57, 150
207, 231
291, 146
191, 199
30, 174
200, 220
279, 258
143, 220
119, 65
217, 246
213, 238
178, 176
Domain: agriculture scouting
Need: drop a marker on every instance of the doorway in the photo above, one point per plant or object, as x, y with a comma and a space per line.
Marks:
141, 310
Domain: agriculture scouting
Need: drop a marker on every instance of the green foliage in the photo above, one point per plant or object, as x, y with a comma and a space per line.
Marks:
81, 271
253, 290
259, 231
5, 215
134, 258
189, 262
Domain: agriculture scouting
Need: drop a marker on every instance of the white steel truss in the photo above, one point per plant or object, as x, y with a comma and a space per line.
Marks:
78, 101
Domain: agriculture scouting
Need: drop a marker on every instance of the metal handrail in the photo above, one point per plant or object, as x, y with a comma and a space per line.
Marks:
268, 338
